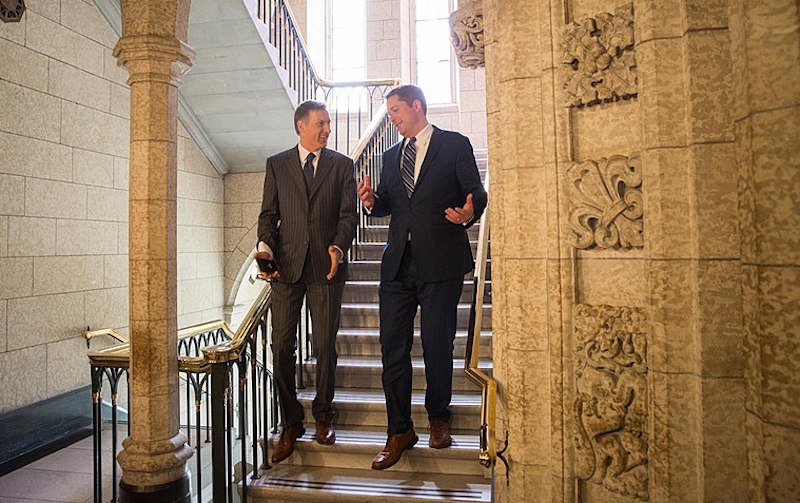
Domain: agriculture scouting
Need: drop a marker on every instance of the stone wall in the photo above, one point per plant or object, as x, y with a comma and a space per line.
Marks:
643, 168
64, 138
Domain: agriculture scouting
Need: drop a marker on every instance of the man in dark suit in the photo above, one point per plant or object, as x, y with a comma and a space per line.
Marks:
431, 187
307, 223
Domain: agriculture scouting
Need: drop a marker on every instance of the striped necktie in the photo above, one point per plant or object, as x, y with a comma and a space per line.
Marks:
308, 170
407, 168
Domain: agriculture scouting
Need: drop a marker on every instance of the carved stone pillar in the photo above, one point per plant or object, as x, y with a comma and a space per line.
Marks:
466, 33
154, 457
765, 35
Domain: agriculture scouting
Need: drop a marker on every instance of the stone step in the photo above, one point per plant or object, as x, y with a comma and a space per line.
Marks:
374, 250
365, 409
367, 291
371, 270
287, 483
355, 449
376, 232
367, 315
366, 342
365, 372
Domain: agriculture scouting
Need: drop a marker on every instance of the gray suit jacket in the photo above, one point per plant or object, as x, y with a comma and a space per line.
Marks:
295, 221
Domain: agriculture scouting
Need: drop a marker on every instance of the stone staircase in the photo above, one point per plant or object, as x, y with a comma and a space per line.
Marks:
342, 472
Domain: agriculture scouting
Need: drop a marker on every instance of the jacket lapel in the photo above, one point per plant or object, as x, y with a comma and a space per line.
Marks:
296, 169
433, 148
324, 168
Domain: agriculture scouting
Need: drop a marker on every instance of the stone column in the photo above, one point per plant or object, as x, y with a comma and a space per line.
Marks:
526, 291
153, 50
695, 357
618, 340
765, 39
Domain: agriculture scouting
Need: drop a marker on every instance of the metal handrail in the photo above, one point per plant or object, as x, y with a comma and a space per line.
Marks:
209, 372
118, 355
488, 452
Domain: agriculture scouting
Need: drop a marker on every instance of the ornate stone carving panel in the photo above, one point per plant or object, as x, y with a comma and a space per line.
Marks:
466, 33
599, 63
605, 203
611, 398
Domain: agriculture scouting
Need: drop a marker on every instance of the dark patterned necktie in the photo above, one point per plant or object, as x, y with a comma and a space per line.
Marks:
308, 170
407, 169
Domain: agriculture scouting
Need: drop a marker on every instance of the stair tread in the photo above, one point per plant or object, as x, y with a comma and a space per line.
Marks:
416, 362
375, 331
374, 305
374, 396
373, 440
321, 484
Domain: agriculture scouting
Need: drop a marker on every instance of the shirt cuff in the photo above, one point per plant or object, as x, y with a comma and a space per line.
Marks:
264, 247
341, 254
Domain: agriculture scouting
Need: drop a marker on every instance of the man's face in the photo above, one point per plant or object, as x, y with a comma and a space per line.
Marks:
315, 130
408, 119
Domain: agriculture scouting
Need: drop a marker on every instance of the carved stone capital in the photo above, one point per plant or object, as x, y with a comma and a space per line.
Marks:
11, 11
598, 59
611, 412
466, 34
605, 203
154, 58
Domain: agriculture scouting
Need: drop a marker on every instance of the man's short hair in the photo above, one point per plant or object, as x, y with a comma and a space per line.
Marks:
304, 109
409, 93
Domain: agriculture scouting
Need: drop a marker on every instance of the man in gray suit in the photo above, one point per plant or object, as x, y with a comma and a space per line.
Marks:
307, 224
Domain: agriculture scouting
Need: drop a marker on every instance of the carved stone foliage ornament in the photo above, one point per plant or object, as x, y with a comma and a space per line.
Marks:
599, 63
611, 401
11, 11
605, 203
466, 33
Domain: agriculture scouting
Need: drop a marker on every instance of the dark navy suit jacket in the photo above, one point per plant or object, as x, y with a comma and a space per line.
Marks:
441, 249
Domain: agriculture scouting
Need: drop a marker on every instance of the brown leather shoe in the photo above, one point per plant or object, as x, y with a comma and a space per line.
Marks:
325, 435
395, 445
285, 446
440, 434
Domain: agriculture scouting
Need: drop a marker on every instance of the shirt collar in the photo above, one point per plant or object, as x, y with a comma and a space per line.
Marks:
304, 153
423, 137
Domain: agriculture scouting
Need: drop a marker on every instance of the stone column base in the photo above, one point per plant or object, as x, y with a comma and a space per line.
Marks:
177, 491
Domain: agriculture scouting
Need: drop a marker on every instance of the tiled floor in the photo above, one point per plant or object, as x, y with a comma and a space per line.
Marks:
64, 476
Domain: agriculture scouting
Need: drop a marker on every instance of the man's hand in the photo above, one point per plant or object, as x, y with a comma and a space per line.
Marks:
460, 215
262, 255
336, 257
365, 193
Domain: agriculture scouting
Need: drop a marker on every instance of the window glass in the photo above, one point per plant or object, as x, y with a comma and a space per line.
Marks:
348, 39
434, 70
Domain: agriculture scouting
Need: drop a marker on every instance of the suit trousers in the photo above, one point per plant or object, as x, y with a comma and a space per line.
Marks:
324, 303
438, 303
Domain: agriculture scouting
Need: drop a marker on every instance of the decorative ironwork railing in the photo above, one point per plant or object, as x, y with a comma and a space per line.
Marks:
368, 160
352, 105
238, 397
